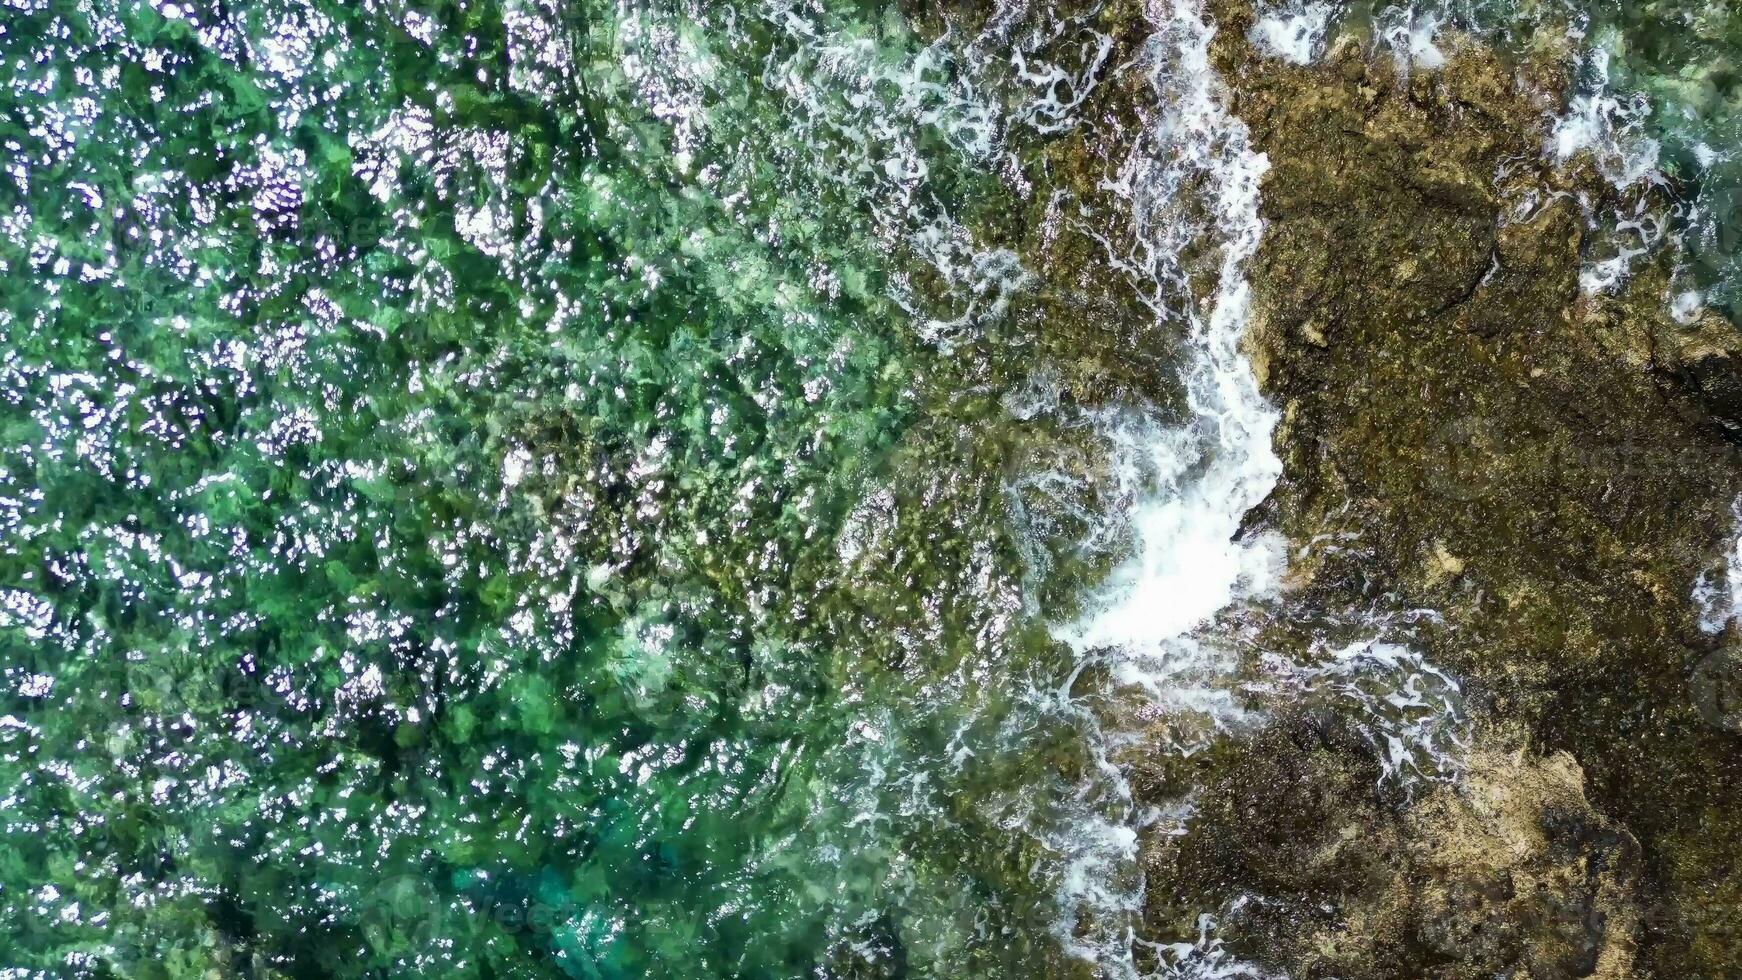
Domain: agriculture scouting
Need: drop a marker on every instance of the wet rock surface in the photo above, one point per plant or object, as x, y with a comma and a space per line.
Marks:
1547, 467
1510, 872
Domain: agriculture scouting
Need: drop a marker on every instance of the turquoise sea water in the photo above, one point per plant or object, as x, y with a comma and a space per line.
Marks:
557, 488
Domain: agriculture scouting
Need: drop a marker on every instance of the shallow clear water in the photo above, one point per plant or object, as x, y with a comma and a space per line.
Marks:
573, 489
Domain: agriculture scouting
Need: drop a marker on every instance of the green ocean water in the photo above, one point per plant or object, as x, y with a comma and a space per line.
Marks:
557, 488
438, 439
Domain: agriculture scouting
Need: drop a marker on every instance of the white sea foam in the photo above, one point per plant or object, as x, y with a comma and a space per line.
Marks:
1630, 232
1686, 306
1061, 90
1293, 31
1607, 125
1408, 32
1610, 128
1205, 958
1718, 593
858, 100
1410, 711
1190, 562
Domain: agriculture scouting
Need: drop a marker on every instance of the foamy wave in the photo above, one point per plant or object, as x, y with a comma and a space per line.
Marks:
1408, 33
1293, 31
1718, 592
1610, 128
1607, 125
1205, 958
1199, 477
1190, 562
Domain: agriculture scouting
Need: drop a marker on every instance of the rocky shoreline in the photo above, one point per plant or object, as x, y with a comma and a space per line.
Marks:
1549, 470
1541, 474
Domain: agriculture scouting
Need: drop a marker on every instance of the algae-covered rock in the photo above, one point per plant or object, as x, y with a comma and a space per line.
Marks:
1514, 867
1545, 465
1706, 356
1508, 872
